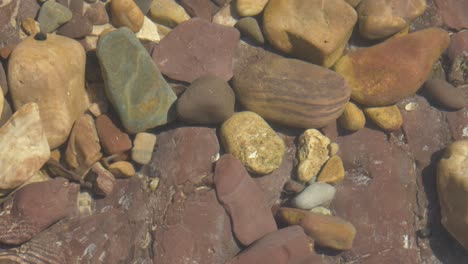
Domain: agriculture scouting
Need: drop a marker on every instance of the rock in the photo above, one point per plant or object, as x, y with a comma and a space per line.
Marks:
198, 8
9, 31
333, 149
196, 48
284, 246
143, 100
314, 30
250, 139
78, 27
458, 74
83, 149
30, 26
387, 118
122, 169
249, 27
103, 180
208, 100
143, 147
6, 112
353, 3
291, 92
25, 145
35, 207
3, 80
451, 182
293, 186
352, 118
399, 66
163, 31
27, 9
243, 200
453, 13
144, 5
316, 194
312, 154
333, 171
327, 231
168, 13
321, 210
149, 31
58, 82
445, 94
113, 140
250, 7
97, 14
380, 19
226, 16
125, 13
2, 100
52, 15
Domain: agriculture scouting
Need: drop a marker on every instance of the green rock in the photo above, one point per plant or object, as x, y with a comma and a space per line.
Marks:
249, 28
133, 83
52, 15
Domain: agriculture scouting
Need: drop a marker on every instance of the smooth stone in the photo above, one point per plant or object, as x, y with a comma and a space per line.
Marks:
313, 30
30, 26
78, 27
382, 18
333, 171
352, 118
6, 113
250, 139
316, 194
58, 82
149, 31
208, 100
312, 154
199, 8
142, 99
291, 92
196, 48
243, 200
387, 118
395, 69
250, 7
144, 5
125, 13
458, 74
97, 14
113, 140
321, 210
453, 13
445, 94
249, 27
226, 16
25, 145
122, 169
168, 13
52, 15
143, 147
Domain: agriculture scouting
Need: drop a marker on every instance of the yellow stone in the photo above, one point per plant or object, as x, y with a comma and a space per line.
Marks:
122, 169
313, 153
125, 13
250, 7
168, 13
352, 118
333, 171
30, 26
387, 118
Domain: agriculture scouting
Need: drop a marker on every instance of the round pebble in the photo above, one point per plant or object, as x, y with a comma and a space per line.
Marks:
314, 195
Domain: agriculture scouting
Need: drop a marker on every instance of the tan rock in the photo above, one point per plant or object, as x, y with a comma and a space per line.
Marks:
226, 16
387, 118
149, 31
168, 13
41, 71
250, 7
122, 169
143, 147
354, 3
2, 100
333, 149
125, 13
30, 26
313, 30
352, 118
56, 154
333, 171
163, 31
312, 153
24, 145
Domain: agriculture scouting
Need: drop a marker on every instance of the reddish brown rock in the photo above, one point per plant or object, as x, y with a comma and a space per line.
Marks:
9, 31
198, 8
113, 140
97, 14
453, 13
78, 27
243, 200
102, 179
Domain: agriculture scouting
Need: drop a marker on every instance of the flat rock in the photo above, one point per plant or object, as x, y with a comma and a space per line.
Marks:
312, 154
113, 140
125, 13
52, 15
9, 31
453, 13
316, 194
168, 13
28, 9
445, 94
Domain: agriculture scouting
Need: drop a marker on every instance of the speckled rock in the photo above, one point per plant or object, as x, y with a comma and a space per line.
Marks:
316, 194
458, 74
125, 13
52, 15
143, 147
445, 94
352, 118
249, 27
387, 118
312, 154
333, 171
250, 7
168, 13
113, 140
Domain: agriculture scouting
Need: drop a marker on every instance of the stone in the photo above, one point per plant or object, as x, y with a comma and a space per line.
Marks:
284, 246
226, 16
125, 13
30, 26
313, 30
333, 171
113, 140
249, 27
2, 100
291, 92
327, 231
208, 100
452, 172
292, 186
122, 169
83, 149
144, 5
143, 147
387, 118
97, 14
333, 149
143, 100
25, 145
352, 118
353, 3
458, 74
321, 210
52, 15
78, 27
168, 13
380, 19
445, 94
312, 154
395, 69
316, 194
35, 207
250, 139
102, 179
27, 8
453, 13
196, 48
3, 80
9, 33
250, 7
243, 200
198, 8
58, 82
149, 31
6, 112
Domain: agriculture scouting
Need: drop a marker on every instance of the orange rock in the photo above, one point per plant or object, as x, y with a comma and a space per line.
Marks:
125, 13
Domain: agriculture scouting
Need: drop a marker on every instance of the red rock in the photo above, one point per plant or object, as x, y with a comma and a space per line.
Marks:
78, 27
453, 13
97, 14
27, 8
113, 140
198, 8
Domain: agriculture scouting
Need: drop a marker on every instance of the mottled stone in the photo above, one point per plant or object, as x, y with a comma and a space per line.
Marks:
143, 147
113, 140
79, 26
453, 13
445, 94
249, 27
52, 15
352, 118
125, 13
316, 194
250, 7
30, 26
103, 180
333, 171
312, 153
458, 55
168, 13
387, 118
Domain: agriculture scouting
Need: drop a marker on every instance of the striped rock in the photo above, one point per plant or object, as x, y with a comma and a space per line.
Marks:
292, 92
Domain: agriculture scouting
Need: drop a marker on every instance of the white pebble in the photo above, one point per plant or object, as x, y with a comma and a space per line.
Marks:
314, 195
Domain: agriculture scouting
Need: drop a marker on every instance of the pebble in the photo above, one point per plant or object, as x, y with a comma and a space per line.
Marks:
458, 73
78, 27
153, 184
243, 200
352, 118
250, 7
250, 139
333, 149
56, 155
142, 98
122, 169
104, 180
248, 26
292, 186
226, 16
125, 13
411, 106
30, 26
25, 145
445, 94
321, 29
208, 100
97, 14
316, 194
333, 171
168, 13
143, 147
398, 66
312, 154
113, 140
198, 8
387, 118
52, 15
453, 13
144, 5
321, 210
149, 31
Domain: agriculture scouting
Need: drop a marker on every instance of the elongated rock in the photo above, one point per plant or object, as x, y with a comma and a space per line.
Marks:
142, 99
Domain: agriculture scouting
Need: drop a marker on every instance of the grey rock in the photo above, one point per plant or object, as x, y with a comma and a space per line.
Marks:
52, 15
314, 195
144, 5
248, 26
